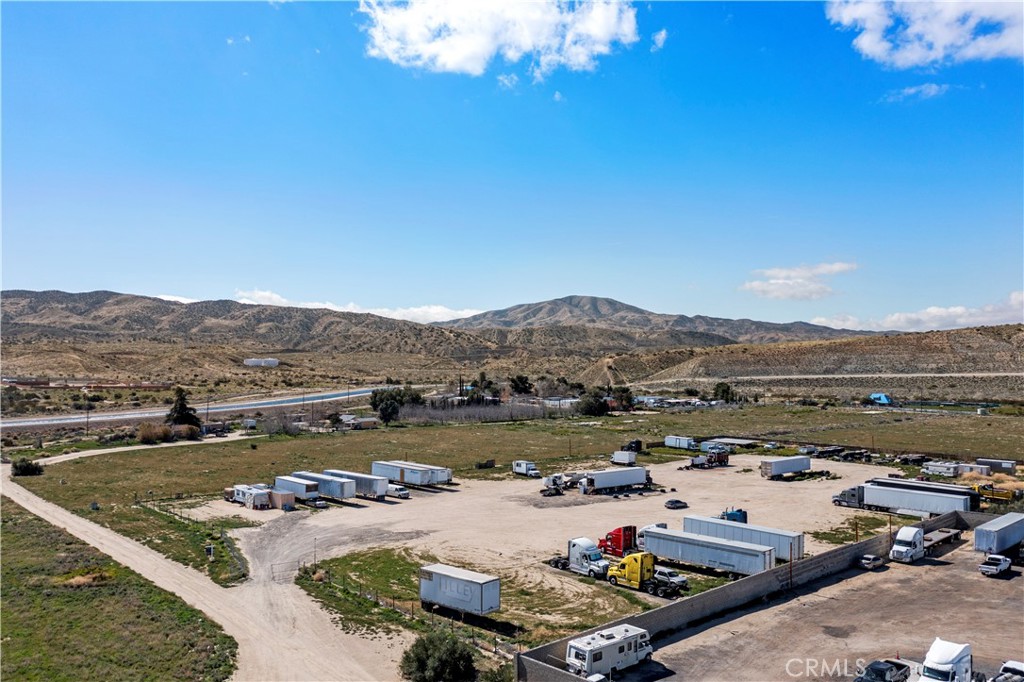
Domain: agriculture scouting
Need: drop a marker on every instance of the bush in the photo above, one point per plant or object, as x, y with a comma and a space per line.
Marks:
26, 467
151, 434
438, 657
185, 432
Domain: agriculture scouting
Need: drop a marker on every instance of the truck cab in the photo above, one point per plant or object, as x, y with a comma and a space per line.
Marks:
619, 542
585, 558
640, 533
848, 498
948, 662
909, 545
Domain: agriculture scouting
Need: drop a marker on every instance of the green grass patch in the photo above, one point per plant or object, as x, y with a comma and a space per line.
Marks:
861, 527
72, 613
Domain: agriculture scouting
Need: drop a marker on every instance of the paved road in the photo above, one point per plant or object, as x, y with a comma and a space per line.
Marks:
214, 408
282, 634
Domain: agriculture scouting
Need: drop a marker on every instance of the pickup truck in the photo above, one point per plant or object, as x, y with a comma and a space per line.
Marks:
994, 564
1011, 671
885, 670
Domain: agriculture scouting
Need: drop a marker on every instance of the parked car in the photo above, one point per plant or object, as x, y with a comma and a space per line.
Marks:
871, 562
675, 504
772, 446
995, 564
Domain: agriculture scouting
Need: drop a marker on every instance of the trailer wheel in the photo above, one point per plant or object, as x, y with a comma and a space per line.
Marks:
613, 580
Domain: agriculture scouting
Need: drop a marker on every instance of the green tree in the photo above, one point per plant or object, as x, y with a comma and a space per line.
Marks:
180, 412
623, 397
388, 411
500, 674
26, 467
592, 403
723, 391
438, 657
520, 384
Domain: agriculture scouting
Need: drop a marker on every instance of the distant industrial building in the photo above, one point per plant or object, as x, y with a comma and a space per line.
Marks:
260, 362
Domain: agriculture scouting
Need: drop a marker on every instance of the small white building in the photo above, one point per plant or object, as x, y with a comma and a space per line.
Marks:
260, 362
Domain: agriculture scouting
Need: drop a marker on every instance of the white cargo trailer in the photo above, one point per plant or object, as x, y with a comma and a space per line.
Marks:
367, 485
459, 589
788, 544
436, 475
901, 499
303, 489
777, 467
682, 442
740, 558
624, 457
608, 480
999, 535
400, 473
329, 486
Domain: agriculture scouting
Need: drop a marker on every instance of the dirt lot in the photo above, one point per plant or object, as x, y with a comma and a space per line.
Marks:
825, 629
499, 525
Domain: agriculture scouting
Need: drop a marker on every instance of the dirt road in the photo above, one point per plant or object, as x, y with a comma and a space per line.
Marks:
282, 634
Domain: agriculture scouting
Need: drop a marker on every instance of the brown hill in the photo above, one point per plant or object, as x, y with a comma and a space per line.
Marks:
611, 314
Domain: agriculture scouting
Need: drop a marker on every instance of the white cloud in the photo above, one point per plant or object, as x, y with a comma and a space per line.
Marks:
230, 41
922, 32
422, 314
658, 40
800, 283
1010, 311
557, 96
923, 91
176, 299
508, 81
464, 36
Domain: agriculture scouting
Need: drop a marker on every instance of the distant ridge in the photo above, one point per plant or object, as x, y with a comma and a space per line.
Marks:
612, 314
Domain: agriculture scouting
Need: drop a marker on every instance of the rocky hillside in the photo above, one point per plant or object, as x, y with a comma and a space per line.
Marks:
611, 314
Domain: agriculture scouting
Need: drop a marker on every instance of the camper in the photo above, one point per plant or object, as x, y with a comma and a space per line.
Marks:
607, 650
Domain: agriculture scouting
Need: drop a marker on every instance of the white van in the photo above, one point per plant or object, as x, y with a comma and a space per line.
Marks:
398, 491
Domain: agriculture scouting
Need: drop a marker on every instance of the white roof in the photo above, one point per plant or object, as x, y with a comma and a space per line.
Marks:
944, 653
1002, 522
604, 637
750, 526
460, 573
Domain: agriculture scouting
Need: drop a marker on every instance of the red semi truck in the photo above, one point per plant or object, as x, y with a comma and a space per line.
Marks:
619, 542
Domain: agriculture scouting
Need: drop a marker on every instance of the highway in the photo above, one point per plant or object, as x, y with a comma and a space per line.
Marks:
202, 410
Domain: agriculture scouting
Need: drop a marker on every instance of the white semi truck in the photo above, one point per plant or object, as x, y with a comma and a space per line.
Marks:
582, 557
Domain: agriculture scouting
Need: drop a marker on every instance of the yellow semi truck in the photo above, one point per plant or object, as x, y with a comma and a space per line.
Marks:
639, 572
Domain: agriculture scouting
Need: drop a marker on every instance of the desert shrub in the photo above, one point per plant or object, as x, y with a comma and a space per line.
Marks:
151, 434
185, 432
26, 467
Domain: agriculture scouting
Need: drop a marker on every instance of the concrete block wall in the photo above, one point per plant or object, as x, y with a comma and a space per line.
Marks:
543, 663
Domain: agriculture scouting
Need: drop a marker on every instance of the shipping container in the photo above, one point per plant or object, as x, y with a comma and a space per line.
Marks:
787, 543
438, 475
399, 473
931, 487
613, 479
303, 489
902, 499
999, 466
330, 486
459, 589
999, 535
775, 468
367, 485
682, 442
430, 474
740, 558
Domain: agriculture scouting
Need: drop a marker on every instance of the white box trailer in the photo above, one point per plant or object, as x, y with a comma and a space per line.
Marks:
981, 469
438, 475
329, 486
303, 489
777, 467
400, 473
624, 457
741, 558
901, 499
613, 479
681, 442
788, 544
367, 485
459, 589
999, 535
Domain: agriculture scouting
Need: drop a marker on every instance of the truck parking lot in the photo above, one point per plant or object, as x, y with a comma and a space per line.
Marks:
825, 631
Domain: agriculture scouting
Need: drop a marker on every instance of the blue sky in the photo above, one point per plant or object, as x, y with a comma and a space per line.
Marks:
858, 164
